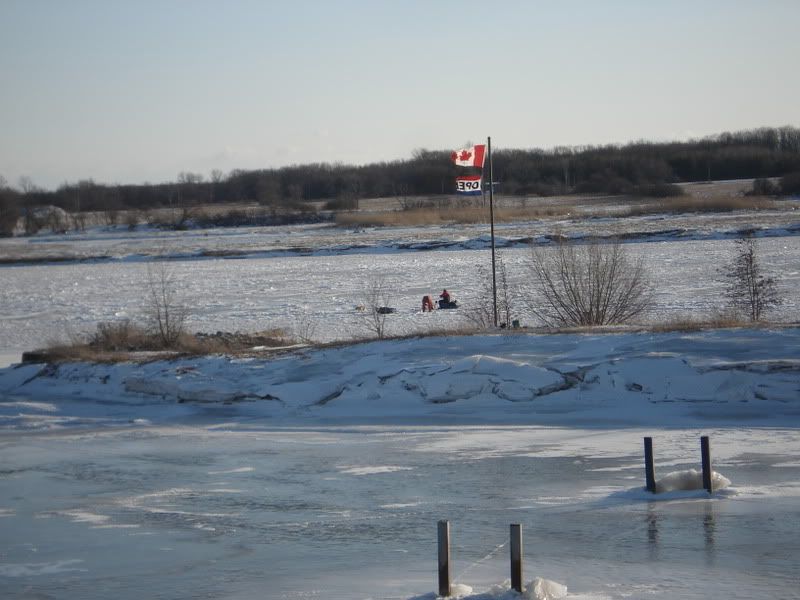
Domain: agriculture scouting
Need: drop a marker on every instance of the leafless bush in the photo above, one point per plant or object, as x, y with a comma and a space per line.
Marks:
587, 284
376, 306
119, 335
165, 313
749, 290
481, 315
305, 330
764, 187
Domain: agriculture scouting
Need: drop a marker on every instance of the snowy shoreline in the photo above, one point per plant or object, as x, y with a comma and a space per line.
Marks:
632, 379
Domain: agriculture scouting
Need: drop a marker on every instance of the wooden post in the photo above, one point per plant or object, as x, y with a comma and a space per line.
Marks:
444, 558
649, 469
516, 557
706, 457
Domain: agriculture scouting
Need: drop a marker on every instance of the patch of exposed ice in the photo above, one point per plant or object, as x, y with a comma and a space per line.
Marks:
81, 516
229, 471
372, 470
39, 569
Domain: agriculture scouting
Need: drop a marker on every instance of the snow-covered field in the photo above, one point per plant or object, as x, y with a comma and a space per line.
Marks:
322, 473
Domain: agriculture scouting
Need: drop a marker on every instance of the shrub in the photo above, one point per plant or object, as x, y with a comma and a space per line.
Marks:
587, 284
118, 336
481, 314
763, 187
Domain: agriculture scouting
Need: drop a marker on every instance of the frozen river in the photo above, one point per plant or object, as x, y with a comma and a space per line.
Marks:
201, 510
317, 294
119, 495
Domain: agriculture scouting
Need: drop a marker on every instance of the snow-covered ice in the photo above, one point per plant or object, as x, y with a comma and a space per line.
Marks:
50, 302
322, 472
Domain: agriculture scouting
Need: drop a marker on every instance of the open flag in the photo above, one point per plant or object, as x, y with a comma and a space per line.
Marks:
469, 185
469, 157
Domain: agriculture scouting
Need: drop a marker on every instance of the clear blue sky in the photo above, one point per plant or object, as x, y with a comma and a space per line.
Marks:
140, 90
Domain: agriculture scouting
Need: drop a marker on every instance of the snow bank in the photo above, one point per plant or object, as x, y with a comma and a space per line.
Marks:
628, 379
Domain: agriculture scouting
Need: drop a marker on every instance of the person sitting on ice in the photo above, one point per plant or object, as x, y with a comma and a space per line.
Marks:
445, 300
427, 304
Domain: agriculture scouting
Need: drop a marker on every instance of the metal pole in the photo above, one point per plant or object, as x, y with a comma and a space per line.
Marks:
649, 469
444, 558
516, 557
491, 219
705, 451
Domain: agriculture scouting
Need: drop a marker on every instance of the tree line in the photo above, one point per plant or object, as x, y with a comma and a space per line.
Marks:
643, 168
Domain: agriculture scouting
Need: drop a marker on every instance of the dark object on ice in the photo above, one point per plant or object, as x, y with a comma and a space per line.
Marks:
385, 310
35, 356
448, 304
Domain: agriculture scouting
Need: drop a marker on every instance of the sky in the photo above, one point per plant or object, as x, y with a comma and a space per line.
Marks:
134, 92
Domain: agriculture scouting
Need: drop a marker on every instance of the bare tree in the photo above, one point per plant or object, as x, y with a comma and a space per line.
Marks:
190, 178
305, 329
376, 306
165, 313
749, 290
26, 184
587, 284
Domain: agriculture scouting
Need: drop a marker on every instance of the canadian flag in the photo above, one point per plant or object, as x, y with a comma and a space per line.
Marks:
469, 157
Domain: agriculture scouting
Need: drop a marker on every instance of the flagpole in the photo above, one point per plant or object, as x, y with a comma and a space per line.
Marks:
491, 220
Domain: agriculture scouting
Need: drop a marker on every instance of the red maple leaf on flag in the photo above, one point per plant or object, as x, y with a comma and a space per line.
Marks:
465, 156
